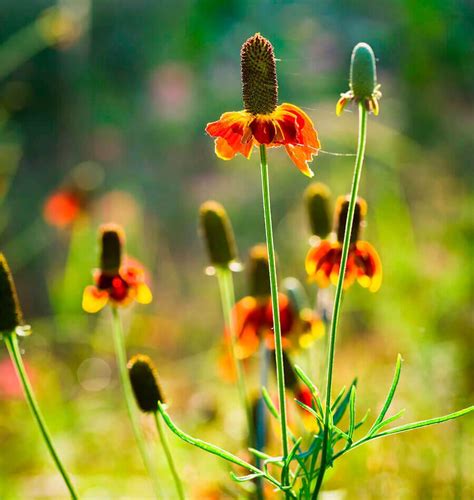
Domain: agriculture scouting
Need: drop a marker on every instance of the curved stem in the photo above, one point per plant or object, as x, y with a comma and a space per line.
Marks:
169, 456
339, 290
11, 341
226, 288
267, 213
121, 354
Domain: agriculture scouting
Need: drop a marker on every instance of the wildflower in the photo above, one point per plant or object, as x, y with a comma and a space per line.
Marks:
144, 380
363, 264
254, 318
120, 281
362, 81
62, 207
263, 121
217, 232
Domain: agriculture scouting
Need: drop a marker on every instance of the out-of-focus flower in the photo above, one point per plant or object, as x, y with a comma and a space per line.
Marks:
363, 264
59, 26
118, 281
253, 314
144, 380
63, 207
263, 121
362, 81
316, 198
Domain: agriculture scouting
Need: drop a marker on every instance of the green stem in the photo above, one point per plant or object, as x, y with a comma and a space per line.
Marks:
169, 456
226, 288
339, 290
121, 354
11, 341
267, 213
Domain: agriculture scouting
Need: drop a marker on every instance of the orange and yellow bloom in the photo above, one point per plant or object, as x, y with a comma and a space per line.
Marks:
116, 282
363, 264
263, 121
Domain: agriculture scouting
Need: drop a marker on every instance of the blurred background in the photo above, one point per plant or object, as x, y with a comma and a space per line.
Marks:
102, 113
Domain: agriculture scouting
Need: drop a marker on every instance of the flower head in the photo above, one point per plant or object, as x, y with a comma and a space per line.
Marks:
63, 207
263, 121
11, 316
362, 81
363, 264
119, 280
144, 380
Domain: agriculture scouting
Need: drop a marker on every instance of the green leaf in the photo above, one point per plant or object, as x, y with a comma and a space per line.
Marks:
261, 454
309, 384
339, 413
387, 421
390, 395
312, 411
338, 398
269, 403
425, 423
243, 479
352, 423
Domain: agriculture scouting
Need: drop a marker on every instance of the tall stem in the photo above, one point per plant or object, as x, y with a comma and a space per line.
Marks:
267, 213
169, 456
339, 289
121, 354
226, 289
11, 341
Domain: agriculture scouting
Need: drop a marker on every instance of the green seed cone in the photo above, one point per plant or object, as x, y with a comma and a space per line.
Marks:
341, 217
316, 197
363, 76
259, 78
217, 232
112, 240
259, 277
10, 311
144, 380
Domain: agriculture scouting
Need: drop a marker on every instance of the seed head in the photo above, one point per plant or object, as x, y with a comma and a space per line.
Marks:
216, 231
259, 277
363, 76
144, 380
259, 78
316, 198
112, 241
11, 316
341, 217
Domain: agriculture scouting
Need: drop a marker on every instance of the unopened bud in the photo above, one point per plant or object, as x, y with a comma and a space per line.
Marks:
259, 78
316, 197
217, 232
11, 316
342, 208
259, 272
112, 241
363, 76
144, 380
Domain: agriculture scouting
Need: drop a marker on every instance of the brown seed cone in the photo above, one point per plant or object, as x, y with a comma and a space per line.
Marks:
259, 78
10, 310
341, 217
144, 380
112, 240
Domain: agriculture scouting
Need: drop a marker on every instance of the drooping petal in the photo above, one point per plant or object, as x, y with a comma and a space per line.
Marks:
144, 295
93, 299
263, 130
368, 266
307, 135
341, 104
300, 156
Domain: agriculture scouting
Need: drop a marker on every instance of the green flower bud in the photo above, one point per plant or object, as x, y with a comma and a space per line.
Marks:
112, 240
217, 232
144, 380
363, 76
11, 316
316, 197
259, 273
259, 78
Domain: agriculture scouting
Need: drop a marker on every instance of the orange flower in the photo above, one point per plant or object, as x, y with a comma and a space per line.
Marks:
363, 264
263, 121
62, 208
117, 282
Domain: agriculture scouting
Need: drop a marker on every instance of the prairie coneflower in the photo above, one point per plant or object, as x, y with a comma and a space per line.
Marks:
118, 281
263, 121
63, 207
363, 263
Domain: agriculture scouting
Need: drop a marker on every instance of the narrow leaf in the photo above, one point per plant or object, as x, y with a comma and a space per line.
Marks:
243, 479
339, 413
388, 421
352, 399
390, 395
269, 403
310, 410
338, 398
309, 384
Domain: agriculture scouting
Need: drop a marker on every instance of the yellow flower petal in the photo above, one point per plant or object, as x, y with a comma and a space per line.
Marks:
144, 295
93, 300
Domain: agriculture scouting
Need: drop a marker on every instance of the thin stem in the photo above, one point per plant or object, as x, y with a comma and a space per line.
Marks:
267, 213
226, 289
11, 341
169, 456
121, 354
339, 290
